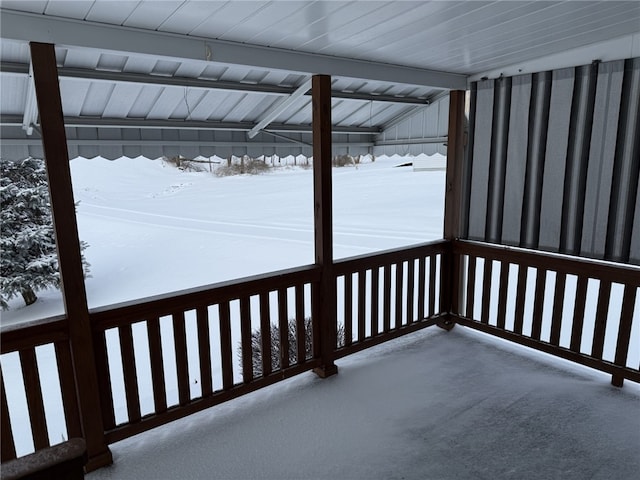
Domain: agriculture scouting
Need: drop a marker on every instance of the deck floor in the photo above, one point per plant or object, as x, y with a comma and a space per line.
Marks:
431, 405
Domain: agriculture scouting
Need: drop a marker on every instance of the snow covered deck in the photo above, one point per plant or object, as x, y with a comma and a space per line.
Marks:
430, 405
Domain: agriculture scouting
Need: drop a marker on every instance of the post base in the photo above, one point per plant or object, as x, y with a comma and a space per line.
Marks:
617, 381
446, 323
100, 460
325, 371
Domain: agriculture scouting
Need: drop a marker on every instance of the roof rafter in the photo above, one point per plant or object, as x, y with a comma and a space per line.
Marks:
280, 107
10, 68
142, 123
80, 33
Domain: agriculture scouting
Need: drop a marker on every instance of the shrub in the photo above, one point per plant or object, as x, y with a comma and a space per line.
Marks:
256, 345
29, 260
247, 165
343, 160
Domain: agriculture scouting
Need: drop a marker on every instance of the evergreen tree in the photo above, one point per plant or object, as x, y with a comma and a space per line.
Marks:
28, 260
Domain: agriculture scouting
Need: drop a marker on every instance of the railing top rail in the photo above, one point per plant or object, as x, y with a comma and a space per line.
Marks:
166, 304
23, 335
369, 260
598, 269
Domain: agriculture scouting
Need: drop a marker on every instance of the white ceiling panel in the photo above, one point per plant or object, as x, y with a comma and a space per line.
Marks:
73, 93
111, 12
96, 99
121, 101
67, 8
151, 15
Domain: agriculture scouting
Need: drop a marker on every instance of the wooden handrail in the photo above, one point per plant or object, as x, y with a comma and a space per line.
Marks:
19, 336
165, 304
600, 269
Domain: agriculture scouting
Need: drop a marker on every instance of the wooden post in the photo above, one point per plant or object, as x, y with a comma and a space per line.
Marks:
452, 205
45, 75
324, 294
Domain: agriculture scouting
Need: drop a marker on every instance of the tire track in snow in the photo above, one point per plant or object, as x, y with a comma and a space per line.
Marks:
182, 223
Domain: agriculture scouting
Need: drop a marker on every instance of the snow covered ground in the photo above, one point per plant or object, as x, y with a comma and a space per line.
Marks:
154, 229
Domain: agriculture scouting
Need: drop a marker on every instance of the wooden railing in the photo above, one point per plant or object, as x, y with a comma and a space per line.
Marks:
196, 348
166, 357
389, 294
577, 309
22, 371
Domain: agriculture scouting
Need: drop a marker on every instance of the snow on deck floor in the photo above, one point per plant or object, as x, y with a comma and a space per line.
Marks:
431, 405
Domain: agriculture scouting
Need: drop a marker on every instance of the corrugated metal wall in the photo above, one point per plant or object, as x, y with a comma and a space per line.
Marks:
554, 161
417, 133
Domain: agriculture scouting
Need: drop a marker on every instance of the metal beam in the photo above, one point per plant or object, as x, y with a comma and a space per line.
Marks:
279, 108
412, 141
10, 68
23, 142
80, 33
141, 123
30, 115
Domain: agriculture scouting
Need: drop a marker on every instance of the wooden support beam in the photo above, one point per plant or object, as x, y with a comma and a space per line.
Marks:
324, 295
54, 142
450, 291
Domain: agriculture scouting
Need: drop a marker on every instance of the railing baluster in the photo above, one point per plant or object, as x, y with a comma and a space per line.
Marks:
375, 290
422, 280
538, 303
471, 286
182, 365
602, 310
502, 294
245, 333
624, 331
157, 365
225, 345
362, 296
204, 350
386, 299
130, 375
411, 278
265, 333
283, 323
432, 285
486, 290
68, 389
399, 293
521, 295
104, 379
8, 448
558, 302
348, 309
35, 403
578, 313
301, 334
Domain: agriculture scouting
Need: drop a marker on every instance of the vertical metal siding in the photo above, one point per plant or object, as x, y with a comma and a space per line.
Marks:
575, 178
575, 190
540, 102
626, 167
517, 150
481, 133
498, 159
601, 158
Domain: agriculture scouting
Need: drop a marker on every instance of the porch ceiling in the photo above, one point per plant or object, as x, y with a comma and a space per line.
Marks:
230, 63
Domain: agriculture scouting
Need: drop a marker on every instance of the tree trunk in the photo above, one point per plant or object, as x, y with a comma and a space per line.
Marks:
29, 295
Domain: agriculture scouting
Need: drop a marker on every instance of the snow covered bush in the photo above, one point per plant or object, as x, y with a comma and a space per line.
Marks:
247, 165
256, 345
29, 260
